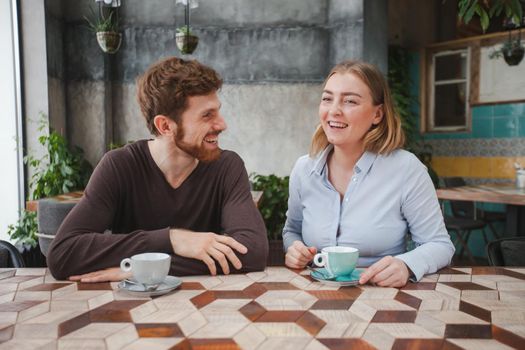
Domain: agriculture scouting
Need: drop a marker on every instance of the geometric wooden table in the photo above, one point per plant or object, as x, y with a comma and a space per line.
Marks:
472, 308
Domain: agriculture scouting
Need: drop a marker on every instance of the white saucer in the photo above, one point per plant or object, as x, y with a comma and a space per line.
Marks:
169, 284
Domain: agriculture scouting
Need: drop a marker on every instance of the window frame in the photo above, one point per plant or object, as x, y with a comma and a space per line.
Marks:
475, 44
432, 82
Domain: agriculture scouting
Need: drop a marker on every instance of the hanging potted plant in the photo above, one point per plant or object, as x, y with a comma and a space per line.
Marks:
106, 28
186, 41
511, 50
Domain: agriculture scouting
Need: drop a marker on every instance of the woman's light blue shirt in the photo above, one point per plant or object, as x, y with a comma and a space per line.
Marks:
388, 196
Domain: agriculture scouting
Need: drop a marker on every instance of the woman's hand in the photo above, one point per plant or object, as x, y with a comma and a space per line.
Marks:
387, 272
298, 255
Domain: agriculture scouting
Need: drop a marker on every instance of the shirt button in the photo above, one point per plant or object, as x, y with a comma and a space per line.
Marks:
354, 179
346, 200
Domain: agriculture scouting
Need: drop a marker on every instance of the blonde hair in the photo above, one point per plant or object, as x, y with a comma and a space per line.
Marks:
382, 138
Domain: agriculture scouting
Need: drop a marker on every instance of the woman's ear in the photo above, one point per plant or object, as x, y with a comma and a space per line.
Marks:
164, 124
379, 115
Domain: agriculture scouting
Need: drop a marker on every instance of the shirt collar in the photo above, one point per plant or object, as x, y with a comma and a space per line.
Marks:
363, 164
320, 161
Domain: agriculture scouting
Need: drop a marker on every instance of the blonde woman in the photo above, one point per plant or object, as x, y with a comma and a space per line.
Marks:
358, 187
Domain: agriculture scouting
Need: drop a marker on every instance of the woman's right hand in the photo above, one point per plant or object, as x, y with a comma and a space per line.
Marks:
298, 255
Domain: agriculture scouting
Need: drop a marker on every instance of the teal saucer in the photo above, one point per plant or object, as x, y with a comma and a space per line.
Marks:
321, 275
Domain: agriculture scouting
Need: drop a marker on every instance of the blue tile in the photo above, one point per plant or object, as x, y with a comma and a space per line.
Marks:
460, 135
482, 111
520, 109
491, 206
482, 128
521, 121
511, 109
506, 127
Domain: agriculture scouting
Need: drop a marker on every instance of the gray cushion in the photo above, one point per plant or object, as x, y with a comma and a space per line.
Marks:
51, 213
513, 252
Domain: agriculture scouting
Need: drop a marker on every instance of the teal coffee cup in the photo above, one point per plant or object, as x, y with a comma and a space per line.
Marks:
338, 261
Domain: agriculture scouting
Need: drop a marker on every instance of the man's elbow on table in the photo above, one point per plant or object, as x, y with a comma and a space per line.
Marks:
256, 257
58, 263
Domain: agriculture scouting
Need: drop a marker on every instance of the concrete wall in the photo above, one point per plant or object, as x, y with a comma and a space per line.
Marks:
273, 56
34, 68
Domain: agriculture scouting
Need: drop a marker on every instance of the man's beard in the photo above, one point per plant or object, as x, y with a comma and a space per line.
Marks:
197, 151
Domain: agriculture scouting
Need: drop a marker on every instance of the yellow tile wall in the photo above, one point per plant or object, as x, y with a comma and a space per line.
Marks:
478, 167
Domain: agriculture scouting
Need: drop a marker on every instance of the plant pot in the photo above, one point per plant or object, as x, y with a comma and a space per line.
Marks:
276, 253
514, 55
109, 42
186, 43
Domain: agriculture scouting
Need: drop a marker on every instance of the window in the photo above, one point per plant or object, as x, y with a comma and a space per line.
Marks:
449, 91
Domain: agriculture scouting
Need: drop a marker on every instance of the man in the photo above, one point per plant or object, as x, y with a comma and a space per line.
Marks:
178, 193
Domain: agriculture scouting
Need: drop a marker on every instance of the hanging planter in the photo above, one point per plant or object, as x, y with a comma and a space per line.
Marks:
109, 42
105, 24
512, 51
186, 41
513, 54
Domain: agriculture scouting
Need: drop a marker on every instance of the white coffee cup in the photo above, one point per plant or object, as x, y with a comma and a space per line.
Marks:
147, 268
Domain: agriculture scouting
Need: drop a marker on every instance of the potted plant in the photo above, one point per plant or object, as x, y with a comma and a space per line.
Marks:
273, 210
186, 41
511, 50
62, 169
106, 28
23, 232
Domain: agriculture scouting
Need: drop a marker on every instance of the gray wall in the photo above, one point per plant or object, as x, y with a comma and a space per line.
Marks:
272, 54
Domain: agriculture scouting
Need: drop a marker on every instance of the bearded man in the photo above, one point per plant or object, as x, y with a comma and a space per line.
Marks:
178, 193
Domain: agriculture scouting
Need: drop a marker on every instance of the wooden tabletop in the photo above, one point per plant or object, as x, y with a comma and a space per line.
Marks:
74, 197
473, 308
491, 193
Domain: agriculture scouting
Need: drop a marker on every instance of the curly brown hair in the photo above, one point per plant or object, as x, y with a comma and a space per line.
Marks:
165, 87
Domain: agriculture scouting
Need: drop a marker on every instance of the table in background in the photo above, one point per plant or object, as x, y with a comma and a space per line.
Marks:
513, 197
74, 197
476, 308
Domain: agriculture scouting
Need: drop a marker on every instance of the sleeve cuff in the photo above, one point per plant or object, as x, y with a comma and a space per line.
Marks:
159, 241
417, 269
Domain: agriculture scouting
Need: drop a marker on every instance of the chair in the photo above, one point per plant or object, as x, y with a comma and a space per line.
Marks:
51, 213
507, 252
488, 216
463, 220
14, 255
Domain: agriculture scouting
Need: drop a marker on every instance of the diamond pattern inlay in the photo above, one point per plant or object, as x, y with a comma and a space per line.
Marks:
473, 308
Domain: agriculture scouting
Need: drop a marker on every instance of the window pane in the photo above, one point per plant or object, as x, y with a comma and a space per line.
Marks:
451, 66
449, 105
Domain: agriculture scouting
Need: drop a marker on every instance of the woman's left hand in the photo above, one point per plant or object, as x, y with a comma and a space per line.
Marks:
387, 272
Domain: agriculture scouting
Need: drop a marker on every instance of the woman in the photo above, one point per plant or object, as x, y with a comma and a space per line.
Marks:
358, 187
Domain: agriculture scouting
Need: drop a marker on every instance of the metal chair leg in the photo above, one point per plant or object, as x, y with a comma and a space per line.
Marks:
494, 231
464, 245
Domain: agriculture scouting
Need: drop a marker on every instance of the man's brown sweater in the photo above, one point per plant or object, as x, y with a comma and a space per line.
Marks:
129, 195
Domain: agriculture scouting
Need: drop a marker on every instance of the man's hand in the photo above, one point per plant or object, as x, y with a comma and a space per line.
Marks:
208, 247
298, 255
387, 272
113, 274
